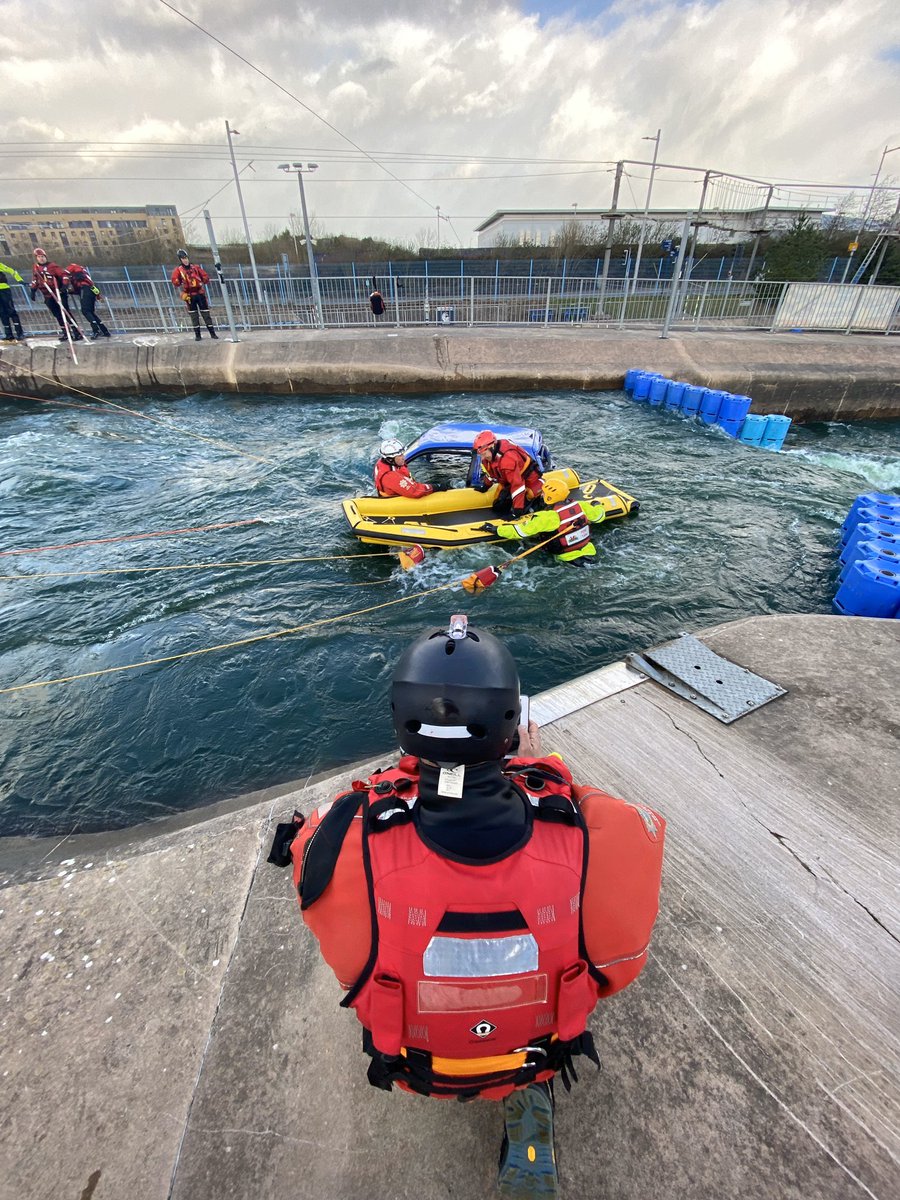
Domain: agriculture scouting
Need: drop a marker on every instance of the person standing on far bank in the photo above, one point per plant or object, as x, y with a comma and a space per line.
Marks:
51, 281
8, 314
82, 286
376, 301
191, 280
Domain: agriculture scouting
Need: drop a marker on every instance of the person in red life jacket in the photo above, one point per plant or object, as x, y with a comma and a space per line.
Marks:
513, 469
82, 286
476, 904
191, 280
51, 281
572, 518
392, 475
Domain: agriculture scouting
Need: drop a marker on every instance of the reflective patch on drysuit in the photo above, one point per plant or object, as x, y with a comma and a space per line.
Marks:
477, 958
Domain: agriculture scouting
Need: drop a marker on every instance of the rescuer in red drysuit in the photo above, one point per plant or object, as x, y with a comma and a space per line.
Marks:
475, 906
513, 468
191, 280
51, 281
392, 476
82, 286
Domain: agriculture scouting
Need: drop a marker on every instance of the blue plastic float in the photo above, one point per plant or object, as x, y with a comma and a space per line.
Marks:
884, 552
880, 537
674, 394
657, 392
690, 401
866, 531
710, 403
752, 429
642, 385
868, 591
869, 582
775, 432
712, 406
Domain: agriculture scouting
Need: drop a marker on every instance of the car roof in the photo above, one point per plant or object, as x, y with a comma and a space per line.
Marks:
459, 436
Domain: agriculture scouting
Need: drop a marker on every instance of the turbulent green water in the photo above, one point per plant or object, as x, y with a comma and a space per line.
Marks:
724, 531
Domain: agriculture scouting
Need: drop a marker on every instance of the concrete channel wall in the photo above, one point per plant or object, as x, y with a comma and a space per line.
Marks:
807, 376
171, 1033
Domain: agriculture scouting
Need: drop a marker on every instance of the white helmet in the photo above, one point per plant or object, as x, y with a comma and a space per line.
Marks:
391, 447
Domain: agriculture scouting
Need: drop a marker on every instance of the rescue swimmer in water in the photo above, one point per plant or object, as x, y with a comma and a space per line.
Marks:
393, 477
572, 518
513, 468
476, 868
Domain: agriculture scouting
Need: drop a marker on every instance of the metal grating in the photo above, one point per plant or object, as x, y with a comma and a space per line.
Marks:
690, 669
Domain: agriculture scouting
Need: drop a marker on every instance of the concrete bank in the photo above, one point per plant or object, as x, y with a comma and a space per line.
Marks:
807, 376
170, 1032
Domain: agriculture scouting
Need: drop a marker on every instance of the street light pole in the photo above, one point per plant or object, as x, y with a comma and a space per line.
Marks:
438, 243
885, 152
640, 246
299, 168
230, 133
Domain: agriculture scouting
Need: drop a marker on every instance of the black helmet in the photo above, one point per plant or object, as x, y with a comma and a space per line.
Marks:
455, 696
183, 254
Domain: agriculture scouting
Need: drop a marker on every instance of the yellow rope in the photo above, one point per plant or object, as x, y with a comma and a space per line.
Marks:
262, 637
248, 562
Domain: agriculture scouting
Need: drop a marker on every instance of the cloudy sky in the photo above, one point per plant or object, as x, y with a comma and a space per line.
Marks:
423, 110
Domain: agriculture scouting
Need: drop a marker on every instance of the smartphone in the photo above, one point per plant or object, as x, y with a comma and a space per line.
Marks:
524, 710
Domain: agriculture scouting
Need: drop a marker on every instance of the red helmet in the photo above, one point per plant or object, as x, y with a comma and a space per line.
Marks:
39, 250
484, 440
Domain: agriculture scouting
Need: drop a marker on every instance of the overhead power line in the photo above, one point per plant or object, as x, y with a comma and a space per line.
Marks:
296, 99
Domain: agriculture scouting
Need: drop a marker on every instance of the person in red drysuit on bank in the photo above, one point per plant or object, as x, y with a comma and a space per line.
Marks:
51, 281
191, 280
473, 901
513, 468
392, 477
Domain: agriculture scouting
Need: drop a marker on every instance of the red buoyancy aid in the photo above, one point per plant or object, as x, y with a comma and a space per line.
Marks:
49, 279
462, 997
575, 527
190, 279
79, 277
398, 925
402, 485
515, 469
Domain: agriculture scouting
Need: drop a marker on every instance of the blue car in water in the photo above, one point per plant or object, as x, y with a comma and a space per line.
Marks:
452, 440
458, 514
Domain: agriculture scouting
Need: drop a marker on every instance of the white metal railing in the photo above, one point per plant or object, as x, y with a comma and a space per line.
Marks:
154, 307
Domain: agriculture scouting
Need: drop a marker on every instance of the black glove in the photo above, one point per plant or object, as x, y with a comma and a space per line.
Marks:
481, 487
487, 527
440, 487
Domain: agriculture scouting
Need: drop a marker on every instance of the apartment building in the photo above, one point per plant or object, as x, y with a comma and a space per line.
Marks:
80, 233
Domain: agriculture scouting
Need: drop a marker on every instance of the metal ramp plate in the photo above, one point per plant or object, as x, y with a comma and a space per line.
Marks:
690, 669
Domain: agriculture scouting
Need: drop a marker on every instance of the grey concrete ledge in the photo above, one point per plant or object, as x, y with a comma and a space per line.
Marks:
170, 1033
808, 376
